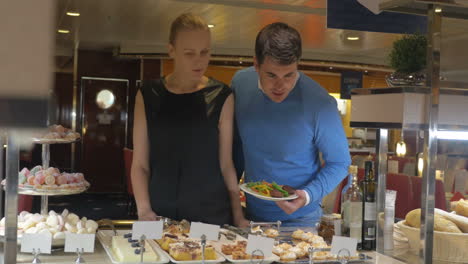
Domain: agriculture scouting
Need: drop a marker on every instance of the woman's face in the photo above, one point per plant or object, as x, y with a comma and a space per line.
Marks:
191, 53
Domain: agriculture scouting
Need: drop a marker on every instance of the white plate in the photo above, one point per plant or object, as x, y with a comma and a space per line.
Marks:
246, 189
219, 259
105, 237
54, 141
30, 190
218, 244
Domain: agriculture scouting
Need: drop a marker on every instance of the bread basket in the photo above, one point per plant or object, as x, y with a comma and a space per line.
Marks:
449, 247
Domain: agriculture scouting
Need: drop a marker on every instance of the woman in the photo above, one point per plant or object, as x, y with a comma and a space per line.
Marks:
182, 162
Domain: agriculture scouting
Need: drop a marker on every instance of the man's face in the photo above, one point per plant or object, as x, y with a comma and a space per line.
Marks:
277, 80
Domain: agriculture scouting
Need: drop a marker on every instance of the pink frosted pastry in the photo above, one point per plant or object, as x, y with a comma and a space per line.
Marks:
69, 177
49, 180
31, 179
39, 179
79, 177
50, 171
25, 172
60, 180
59, 129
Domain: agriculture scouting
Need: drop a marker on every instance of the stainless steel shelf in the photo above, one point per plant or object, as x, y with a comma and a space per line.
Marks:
450, 8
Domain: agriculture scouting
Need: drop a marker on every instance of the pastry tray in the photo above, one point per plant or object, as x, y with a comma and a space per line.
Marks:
285, 237
105, 237
218, 244
219, 258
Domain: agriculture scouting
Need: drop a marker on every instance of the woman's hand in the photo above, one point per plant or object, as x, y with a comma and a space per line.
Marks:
241, 222
147, 215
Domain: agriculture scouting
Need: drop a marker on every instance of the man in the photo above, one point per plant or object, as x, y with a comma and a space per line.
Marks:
285, 119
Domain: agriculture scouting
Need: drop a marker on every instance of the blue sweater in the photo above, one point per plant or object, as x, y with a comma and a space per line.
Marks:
281, 142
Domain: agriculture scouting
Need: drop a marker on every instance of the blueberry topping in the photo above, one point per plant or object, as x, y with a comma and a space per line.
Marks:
129, 235
135, 244
137, 251
130, 240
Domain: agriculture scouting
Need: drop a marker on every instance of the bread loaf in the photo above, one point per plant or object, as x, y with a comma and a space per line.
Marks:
462, 208
460, 221
441, 224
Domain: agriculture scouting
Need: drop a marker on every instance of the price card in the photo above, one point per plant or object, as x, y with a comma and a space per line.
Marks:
150, 229
210, 231
264, 244
74, 242
42, 242
339, 243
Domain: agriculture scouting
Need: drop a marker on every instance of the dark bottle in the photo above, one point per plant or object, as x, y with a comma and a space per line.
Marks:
369, 214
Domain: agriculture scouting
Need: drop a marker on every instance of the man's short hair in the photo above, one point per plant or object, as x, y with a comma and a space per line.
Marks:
280, 42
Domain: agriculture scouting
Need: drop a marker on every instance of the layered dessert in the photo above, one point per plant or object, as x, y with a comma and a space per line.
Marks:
127, 250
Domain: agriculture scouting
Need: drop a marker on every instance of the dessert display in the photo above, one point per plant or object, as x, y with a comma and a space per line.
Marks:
270, 232
190, 249
237, 251
53, 223
50, 179
127, 250
298, 249
271, 189
180, 247
58, 132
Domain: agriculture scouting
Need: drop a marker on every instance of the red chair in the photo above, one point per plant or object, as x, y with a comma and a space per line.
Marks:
128, 158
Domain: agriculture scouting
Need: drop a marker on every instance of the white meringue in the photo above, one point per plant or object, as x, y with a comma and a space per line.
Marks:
65, 213
92, 224
70, 228
32, 230
72, 219
52, 221
91, 230
59, 235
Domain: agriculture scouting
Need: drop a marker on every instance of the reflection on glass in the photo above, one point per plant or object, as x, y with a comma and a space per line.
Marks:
105, 99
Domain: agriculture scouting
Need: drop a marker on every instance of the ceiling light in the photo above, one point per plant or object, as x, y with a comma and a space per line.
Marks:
366, 71
438, 10
63, 31
211, 26
75, 14
353, 38
331, 68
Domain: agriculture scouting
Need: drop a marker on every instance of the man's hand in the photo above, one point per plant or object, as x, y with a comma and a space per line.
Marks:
292, 206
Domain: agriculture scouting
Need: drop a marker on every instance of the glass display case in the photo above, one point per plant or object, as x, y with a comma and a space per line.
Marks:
434, 114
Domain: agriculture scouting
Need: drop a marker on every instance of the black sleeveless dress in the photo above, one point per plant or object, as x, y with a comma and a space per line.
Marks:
186, 180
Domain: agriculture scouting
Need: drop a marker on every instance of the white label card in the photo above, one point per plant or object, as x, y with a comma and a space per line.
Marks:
42, 242
198, 229
74, 242
151, 229
264, 244
339, 243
